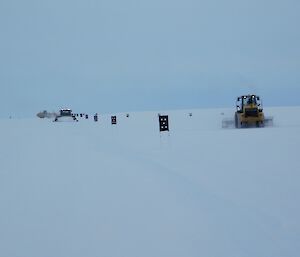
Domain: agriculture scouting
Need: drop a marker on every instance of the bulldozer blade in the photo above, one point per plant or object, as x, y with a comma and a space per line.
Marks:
268, 122
228, 123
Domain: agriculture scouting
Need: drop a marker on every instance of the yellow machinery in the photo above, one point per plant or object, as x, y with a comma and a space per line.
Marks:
249, 112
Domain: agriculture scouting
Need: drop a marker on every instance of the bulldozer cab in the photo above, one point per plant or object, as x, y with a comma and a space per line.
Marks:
248, 101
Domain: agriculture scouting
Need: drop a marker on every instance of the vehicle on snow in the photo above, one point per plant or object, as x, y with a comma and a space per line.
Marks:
65, 115
249, 113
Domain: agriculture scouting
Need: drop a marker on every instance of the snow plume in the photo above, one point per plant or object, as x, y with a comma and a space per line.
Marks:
45, 114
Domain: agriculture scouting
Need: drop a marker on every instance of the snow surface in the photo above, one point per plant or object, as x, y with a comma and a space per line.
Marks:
92, 189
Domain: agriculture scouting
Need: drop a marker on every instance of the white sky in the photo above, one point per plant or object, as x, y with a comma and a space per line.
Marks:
145, 55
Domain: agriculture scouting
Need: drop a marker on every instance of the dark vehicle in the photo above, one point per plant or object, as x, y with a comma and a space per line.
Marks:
65, 115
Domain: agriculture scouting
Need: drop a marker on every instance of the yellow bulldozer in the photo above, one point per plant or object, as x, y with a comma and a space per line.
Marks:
249, 113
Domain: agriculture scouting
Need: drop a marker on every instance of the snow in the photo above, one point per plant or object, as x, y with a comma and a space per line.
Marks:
92, 189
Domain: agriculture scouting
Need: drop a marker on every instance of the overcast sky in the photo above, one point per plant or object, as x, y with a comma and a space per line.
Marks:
134, 55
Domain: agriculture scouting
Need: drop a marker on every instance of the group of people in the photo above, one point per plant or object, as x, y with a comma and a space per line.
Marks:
86, 116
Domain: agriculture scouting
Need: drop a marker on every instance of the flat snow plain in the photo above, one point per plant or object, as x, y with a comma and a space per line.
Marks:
90, 189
